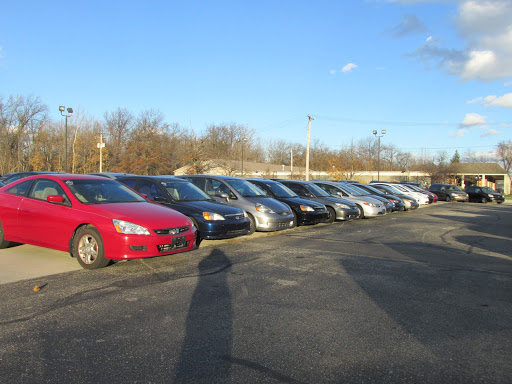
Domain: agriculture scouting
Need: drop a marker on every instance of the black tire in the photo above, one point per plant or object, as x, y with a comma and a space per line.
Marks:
483, 200
295, 223
252, 228
499, 202
88, 248
198, 234
3, 243
447, 198
361, 212
332, 215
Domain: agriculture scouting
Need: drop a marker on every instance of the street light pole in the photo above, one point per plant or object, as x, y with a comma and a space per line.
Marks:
307, 147
243, 140
378, 151
66, 115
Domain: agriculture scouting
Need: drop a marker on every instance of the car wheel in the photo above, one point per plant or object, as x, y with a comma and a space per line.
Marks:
332, 215
294, 219
3, 243
198, 234
448, 198
252, 228
88, 248
499, 202
361, 212
483, 200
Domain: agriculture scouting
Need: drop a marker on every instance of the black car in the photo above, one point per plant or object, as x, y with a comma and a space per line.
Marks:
449, 192
20, 175
484, 194
306, 212
339, 209
213, 220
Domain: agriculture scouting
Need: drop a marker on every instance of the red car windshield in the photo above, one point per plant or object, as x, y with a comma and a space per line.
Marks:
102, 191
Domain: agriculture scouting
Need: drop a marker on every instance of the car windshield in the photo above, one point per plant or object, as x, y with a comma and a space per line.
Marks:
388, 190
453, 188
369, 188
245, 188
488, 190
317, 191
353, 190
280, 190
184, 191
103, 191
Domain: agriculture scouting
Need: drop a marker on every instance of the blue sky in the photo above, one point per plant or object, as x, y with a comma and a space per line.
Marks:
436, 75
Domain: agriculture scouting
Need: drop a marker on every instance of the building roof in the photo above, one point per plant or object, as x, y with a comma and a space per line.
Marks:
478, 169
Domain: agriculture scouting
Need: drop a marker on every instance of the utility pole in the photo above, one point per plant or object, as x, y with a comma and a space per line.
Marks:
307, 147
378, 151
291, 163
101, 145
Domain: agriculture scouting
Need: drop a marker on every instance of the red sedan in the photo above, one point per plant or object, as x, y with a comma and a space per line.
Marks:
93, 218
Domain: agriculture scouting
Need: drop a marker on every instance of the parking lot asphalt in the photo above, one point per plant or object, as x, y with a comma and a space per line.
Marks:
416, 297
27, 261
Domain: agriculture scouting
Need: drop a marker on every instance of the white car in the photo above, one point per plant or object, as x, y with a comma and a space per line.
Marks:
422, 198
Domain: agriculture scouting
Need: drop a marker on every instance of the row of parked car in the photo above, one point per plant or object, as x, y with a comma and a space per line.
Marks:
102, 217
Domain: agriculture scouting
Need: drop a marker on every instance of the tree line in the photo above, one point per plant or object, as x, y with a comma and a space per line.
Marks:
146, 143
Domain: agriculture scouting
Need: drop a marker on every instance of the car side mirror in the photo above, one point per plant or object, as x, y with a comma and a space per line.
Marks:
160, 199
339, 193
224, 196
55, 199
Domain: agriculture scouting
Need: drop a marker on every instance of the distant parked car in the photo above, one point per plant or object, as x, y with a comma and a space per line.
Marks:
111, 175
1, 184
397, 203
484, 194
339, 209
367, 205
449, 192
213, 220
266, 214
409, 202
20, 175
404, 189
93, 218
306, 212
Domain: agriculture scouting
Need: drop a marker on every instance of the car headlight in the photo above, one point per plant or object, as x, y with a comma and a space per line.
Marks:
306, 208
263, 209
371, 204
212, 216
344, 206
129, 228
491, 196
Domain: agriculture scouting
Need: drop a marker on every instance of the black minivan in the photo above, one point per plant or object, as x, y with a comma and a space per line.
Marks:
484, 194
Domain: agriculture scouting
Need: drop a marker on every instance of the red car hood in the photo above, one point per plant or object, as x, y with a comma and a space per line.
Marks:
148, 215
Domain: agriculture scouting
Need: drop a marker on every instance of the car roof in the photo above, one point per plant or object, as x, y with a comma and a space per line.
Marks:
292, 181
146, 177
212, 176
64, 176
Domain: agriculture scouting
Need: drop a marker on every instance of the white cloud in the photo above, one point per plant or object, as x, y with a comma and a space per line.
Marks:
349, 67
409, 25
459, 133
485, 27
476, 100
492, 132
495, 101
473, 119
